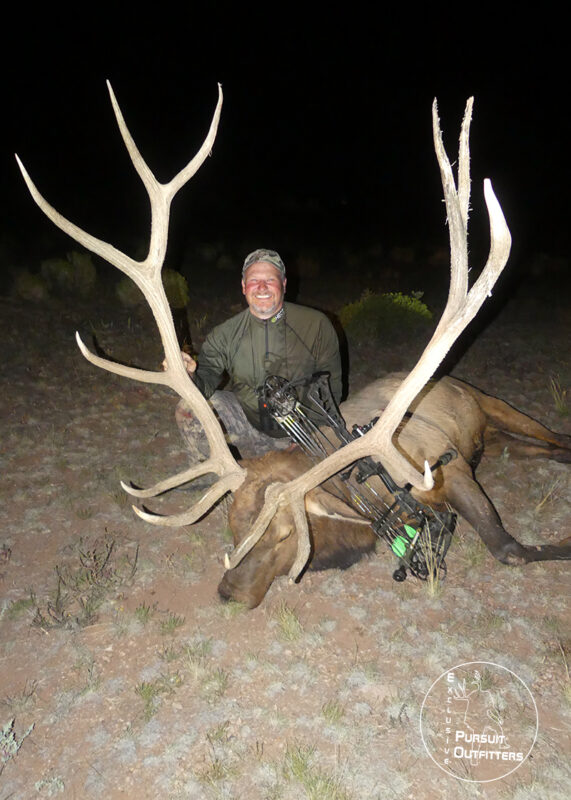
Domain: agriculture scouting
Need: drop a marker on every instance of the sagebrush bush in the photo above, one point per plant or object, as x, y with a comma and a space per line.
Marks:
393, 315
176, 288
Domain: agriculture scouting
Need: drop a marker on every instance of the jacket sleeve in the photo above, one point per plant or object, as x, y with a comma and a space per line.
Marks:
329, 358
212, 363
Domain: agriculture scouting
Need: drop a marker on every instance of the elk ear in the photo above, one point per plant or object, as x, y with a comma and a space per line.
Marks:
323, 504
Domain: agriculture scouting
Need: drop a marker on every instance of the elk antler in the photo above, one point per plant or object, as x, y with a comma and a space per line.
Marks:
461, 307
147, 276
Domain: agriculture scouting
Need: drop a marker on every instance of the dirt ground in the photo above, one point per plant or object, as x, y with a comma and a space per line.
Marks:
140, 683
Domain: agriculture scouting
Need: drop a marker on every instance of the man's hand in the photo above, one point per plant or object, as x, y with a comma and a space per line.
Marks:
189, 363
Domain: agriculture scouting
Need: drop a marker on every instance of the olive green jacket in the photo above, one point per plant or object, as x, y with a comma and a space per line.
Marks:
295, 343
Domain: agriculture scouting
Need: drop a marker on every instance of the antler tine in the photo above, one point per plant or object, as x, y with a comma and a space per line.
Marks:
461, 308
166, 192
147, 276
227, 483
169, 483
457, 204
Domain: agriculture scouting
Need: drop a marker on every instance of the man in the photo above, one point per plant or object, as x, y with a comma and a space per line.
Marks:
270, 337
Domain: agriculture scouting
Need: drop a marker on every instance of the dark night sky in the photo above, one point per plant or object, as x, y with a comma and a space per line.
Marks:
325, 125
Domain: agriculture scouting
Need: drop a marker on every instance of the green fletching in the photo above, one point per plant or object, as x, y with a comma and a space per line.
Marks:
399, 546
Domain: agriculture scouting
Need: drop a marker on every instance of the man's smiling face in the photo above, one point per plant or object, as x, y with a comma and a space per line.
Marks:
263, 287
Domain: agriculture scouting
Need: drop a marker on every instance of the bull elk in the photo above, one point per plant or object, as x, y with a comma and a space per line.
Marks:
294, 492
446, 416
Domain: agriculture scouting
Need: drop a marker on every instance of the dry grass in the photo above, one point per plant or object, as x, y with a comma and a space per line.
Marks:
559, 395
299, 766
289, 624
549, 494
429, 552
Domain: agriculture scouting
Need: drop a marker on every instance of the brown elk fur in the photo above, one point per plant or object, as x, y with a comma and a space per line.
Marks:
448, 414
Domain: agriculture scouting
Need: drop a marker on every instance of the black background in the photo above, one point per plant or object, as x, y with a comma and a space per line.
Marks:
326, 126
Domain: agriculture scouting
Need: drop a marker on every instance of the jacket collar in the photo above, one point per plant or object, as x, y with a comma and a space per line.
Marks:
271, 321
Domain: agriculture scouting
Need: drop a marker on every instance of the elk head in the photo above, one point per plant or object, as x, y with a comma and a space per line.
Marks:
462, 306
339, 535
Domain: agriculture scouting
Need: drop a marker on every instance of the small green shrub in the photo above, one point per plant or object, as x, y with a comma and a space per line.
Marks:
299, 765
129, 293
151, 691
172, 623
58, 273
84, 273
144, 612
289, 624
75, 274
213, 684
332, 711
392, 315
30, 287
176, 290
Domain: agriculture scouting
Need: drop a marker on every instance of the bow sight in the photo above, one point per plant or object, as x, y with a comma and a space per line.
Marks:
418, 535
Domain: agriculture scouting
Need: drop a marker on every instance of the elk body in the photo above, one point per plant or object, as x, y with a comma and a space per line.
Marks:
292, 493
446, 415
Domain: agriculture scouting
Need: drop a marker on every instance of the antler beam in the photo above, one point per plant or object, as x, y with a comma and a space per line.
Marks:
147, 276
461, 307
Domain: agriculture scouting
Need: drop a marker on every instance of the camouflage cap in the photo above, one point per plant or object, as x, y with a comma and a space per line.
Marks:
269, 256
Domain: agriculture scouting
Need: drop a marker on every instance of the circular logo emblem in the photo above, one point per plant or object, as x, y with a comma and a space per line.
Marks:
478, 721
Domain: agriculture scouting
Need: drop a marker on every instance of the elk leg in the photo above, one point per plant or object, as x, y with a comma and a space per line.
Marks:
469, 500
497, 441
507, 419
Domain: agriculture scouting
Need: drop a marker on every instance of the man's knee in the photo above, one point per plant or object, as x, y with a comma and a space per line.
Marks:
240, 433
191, 431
